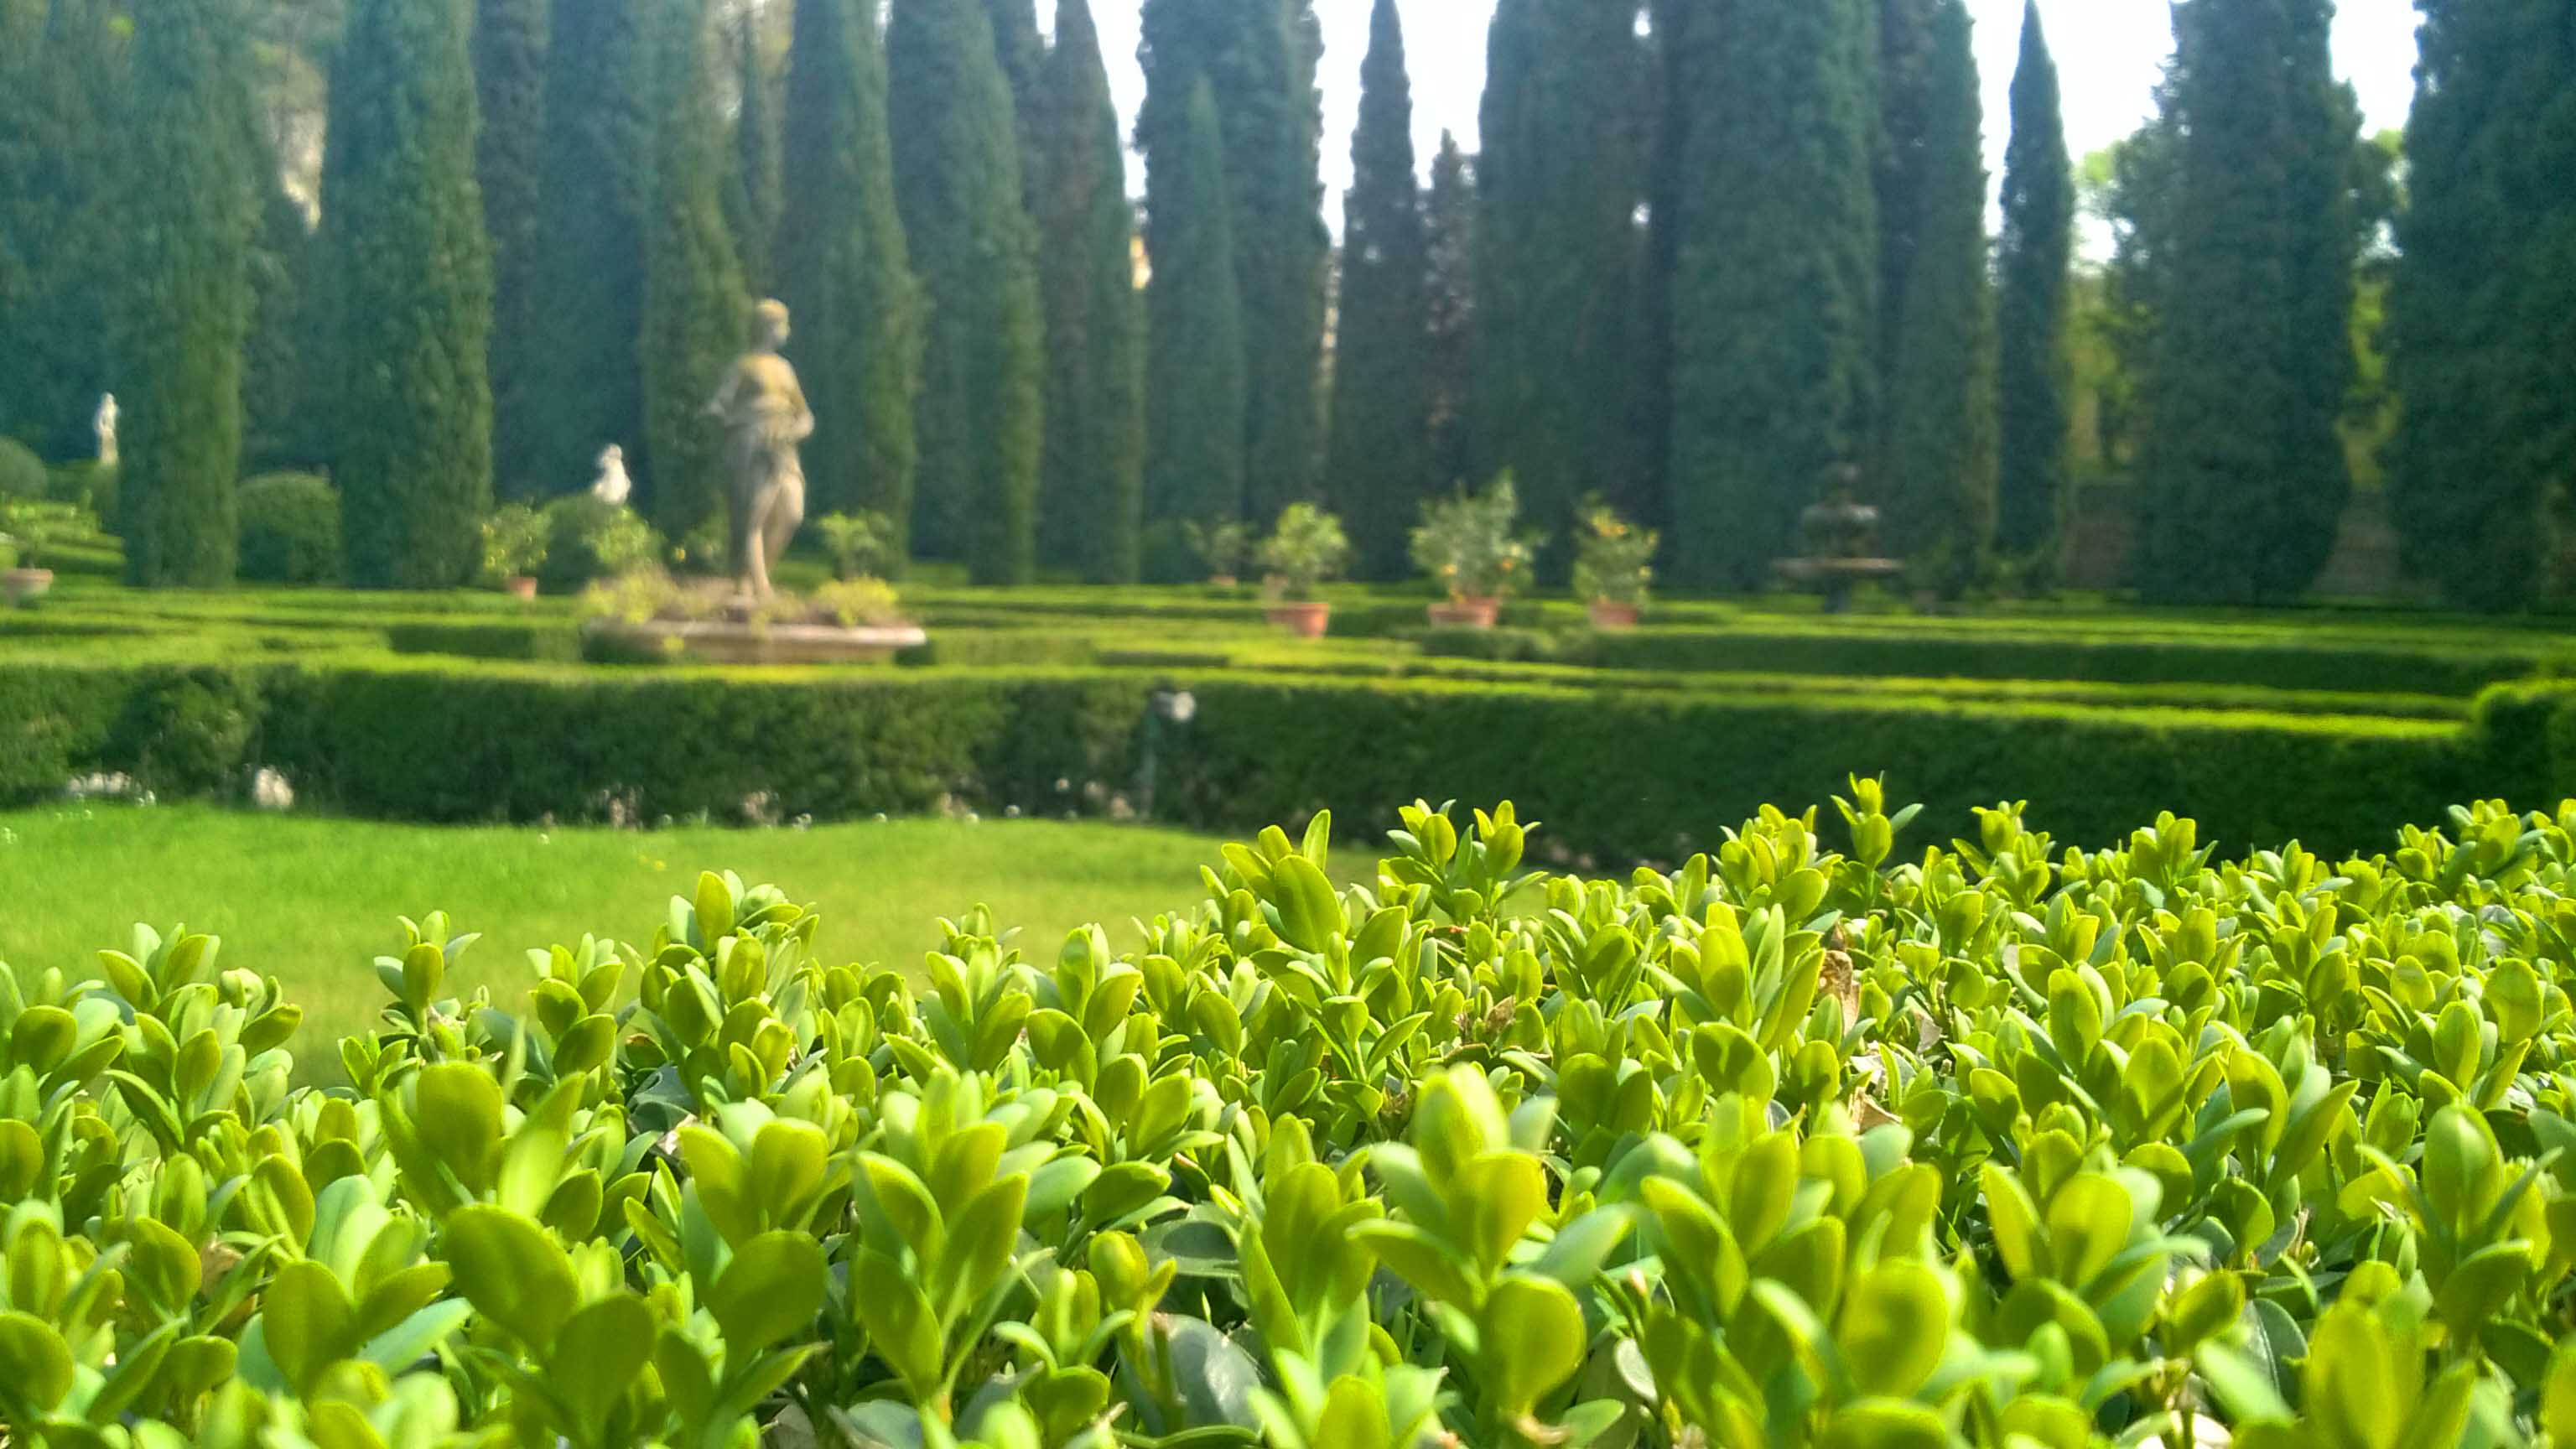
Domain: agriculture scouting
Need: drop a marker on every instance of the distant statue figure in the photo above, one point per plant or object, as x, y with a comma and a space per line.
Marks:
612, 487
765, 416
105, 423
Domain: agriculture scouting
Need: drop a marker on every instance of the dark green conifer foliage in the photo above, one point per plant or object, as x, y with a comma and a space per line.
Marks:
2242, 472
1194, 401
598, 176
957, 182
412, 273
1558, 184
1936, 467
187, 297
696, 311
1773, 304
509, 162
1449, 224
2033, 491
1023, 53
754, 190
844, 269
1380, 461
63, 120
2477, 350
1091, 475
282, 260
1667, 135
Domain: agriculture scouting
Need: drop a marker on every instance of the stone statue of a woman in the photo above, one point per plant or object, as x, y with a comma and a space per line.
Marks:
765, 416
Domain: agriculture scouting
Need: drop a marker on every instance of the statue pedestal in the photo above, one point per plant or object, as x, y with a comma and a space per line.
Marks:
731, 642
1836, 577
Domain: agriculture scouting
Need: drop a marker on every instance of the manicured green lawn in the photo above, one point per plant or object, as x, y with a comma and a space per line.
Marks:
313, 901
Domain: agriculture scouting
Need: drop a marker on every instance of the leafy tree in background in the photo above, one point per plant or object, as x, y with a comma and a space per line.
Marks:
2483, 245
1937, 404
1558, 182
696, 310
755, 188
509, 161
957, 183
1449, 235
1194, 435
64, 98
598, 178
412, 274
1091, 472
845, 270
187, 294
1380, 465
1773, 303
2034, 493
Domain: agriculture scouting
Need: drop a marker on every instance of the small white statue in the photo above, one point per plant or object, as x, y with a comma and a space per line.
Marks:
612, 487
105, 423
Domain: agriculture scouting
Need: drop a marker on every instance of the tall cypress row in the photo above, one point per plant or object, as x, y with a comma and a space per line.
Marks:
1194, 433
1558, 183
188, 293
510, 94
696, 310
1772, 309
1936, 466
755, 191
63, 147
2033, 491
598, 180
1022, 52
1449, 227
1667, 137
1380, 462
1091, 474
412, 273
957, 183
845, 270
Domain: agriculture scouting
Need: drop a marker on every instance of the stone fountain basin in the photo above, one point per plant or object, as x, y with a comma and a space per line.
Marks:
724, 641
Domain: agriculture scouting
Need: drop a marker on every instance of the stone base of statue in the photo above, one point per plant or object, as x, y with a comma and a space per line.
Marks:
737, 641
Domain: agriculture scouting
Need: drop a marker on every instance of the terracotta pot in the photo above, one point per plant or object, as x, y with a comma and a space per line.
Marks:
1609, 615
520, 586
24, 584
1221, 581
1467, 613
1305, 619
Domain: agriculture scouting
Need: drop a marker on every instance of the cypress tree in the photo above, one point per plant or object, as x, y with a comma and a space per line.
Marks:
843, 264
754, 190
1194, 435
188, 294
1773, 305
413, 276
957, 183
63, 120
1937, 446
2033, 492
274, 429
1023, 53
510, 94
696, 312
2487, 403
1091, 476
598, 184
2243, 472
1380, 470
1667, 138
1449, 223
1558, 183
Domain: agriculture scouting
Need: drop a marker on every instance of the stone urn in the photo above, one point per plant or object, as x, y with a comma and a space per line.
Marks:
1305, 618
23, 586
1466, 613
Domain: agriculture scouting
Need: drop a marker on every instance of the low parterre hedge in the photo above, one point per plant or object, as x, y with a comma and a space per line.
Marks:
1624, 775
1837, 1137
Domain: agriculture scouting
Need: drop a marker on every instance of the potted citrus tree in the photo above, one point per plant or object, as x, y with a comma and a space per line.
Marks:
514, 548
24, 533
1613, 565
1307, 548
1467, 545
1220, 546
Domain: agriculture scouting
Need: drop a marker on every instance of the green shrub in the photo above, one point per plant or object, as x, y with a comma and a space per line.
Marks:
290, 530
22, 473
1835, 1136
553, 643
588, 540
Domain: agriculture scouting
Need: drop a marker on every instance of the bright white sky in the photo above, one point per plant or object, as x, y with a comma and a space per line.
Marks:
2109, 53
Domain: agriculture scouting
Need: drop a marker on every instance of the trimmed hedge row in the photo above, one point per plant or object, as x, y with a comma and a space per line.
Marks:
1617, 776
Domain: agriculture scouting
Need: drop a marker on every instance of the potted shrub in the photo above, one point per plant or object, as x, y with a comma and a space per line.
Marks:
1220, 547
1307, 548
1467, 546
514, 547
1613, 565
22, 546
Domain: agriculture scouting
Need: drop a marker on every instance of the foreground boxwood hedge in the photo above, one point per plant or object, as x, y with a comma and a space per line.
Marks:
1622, 775
1831, 1138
